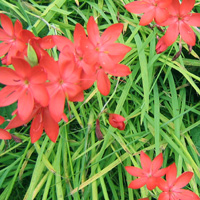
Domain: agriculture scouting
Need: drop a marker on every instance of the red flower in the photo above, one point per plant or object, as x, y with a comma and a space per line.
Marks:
180, 21
42, 120
152, 9
96, 55
151, 173
25, 84
117, 121
68, 50
172, 186
105, 54
63, 83
14, 38
103, 50
66, 47
4, 135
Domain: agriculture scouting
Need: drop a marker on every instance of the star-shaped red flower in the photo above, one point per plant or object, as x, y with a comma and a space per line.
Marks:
25, 84
152, 9
180, 21
13, 38
172, 186
150, 174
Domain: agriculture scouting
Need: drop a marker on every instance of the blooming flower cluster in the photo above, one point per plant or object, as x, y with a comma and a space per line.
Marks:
150, 175
41, 85
177, 16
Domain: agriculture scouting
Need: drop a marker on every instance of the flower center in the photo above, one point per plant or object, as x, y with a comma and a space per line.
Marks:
61, 82
26, 82
180, 18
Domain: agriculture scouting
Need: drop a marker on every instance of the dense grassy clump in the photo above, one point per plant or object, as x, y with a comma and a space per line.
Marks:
159, 99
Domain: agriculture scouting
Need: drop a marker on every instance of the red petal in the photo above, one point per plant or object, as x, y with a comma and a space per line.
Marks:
51, 127
151, 183
161, 15
16, 47
194, 19
36, 128
118, 50
88, 69
51, 67
26, 35
69, 73
134, 171
119, 70
18, 27
47, 42
22, 67
187, 34
93, 31
147, 17
103, 82
105, 61
161, 172
16, 122
38, 76
169, 21
56, 105
186, 6
25, 105
164, 3
171, 34
87, 81
66, 57
9, 76
9, 95
187, 194
161, 45
79, 34
19, 46
174, 8
5, 135
111, 34
183, 180
138, 183
74, 93
7, 24
52, 88
62, 41
65, 118
164, 196
138, 7
5, 37
2, 120
163, 185
91, 56
40, 94
145, 162
171, 174
4, 48
157, 163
